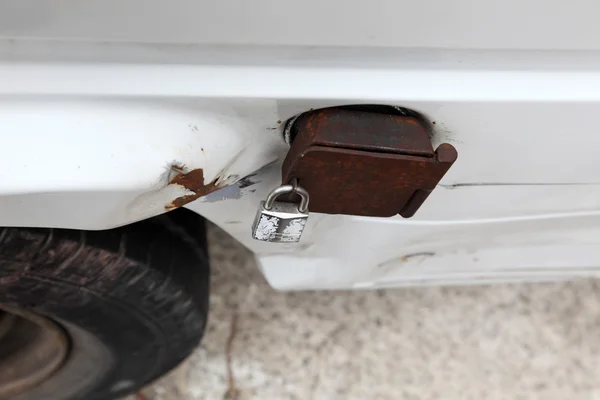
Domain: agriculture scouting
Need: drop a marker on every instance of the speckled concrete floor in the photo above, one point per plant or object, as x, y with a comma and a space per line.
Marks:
491, 342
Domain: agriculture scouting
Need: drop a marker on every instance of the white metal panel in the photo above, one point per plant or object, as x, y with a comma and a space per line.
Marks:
530, 24
399, 253
97, 161
90, 127
96, 164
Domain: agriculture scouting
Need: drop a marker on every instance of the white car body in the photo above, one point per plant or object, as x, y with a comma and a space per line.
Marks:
100, 100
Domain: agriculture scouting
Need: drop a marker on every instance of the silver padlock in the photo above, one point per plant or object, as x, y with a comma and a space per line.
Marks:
281, 222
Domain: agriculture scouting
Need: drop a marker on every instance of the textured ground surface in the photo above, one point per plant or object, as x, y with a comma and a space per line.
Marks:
489, 342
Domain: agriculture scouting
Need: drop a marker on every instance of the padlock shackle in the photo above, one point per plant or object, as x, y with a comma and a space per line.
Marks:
287, 189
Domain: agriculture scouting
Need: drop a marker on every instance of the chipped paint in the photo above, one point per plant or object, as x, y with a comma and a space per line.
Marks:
232, 192
247, 181
192, 181
227, 193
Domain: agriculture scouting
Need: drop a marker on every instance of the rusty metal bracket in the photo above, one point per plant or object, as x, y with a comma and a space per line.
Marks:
365, 163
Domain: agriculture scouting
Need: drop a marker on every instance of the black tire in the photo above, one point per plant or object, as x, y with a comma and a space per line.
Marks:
134, 300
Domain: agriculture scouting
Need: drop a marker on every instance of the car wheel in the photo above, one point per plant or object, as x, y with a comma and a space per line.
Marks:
98, 314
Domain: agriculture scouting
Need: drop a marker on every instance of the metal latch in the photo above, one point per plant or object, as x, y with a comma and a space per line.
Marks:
364, 163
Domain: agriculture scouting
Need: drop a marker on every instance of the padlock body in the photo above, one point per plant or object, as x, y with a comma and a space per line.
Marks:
283, 223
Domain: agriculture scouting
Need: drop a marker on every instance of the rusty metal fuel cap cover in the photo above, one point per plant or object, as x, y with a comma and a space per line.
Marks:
365, 163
